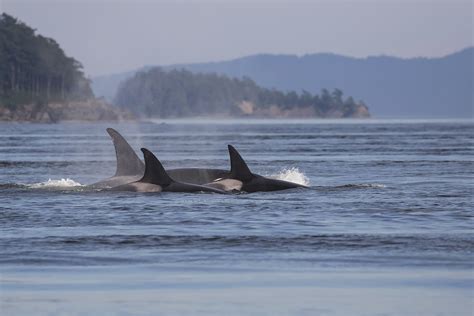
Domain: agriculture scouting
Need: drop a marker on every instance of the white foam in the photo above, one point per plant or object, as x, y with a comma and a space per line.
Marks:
292, 175
63, 183
374, 185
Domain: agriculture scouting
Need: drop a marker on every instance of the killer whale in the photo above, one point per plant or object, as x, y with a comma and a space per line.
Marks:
130, 168
241, 178
156, 179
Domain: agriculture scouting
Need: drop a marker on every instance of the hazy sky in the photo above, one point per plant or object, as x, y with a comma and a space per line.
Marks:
112, 36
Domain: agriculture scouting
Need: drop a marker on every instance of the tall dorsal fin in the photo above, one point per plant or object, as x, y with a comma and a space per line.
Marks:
154, 171
238, 168
128, 163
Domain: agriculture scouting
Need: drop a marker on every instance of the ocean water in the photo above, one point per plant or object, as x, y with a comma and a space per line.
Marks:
385, 227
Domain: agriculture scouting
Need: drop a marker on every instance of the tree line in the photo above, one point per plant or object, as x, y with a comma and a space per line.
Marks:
34, 68
181, 93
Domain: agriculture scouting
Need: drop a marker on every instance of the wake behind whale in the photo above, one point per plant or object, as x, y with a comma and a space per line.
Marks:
130, 169
51, 183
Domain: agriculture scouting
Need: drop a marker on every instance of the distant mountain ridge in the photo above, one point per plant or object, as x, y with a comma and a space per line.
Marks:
390, 86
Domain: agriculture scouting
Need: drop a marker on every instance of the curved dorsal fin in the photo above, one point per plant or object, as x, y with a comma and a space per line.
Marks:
238, 168
154, 171
128, 162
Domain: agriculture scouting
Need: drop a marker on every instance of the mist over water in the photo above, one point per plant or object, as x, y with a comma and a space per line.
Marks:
388, 214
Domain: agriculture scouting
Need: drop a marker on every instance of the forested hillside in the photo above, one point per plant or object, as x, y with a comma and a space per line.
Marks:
34, 68
180, 93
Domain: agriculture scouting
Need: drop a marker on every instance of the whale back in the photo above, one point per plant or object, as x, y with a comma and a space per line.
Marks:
154, 171
238, 167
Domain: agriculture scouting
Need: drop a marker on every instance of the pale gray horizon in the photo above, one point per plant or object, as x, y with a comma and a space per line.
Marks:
114, 36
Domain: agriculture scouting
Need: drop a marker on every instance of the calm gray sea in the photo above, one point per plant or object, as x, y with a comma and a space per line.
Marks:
386, 227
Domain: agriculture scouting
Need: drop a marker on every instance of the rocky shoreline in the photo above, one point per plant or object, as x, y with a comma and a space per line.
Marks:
100, 110
53, 112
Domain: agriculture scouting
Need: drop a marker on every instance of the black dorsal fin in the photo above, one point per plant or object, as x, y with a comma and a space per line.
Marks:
238, 168
128, 163
154, 171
